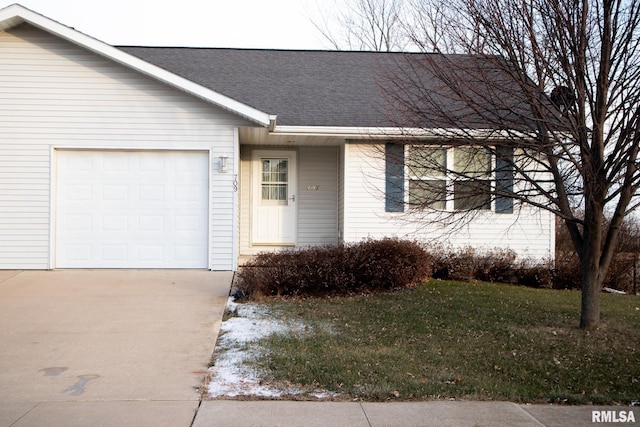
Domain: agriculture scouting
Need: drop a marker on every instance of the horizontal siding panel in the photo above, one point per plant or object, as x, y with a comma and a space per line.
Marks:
18, 158
221, 238
25, 152
221, 218
22, 261
90, 115
120, 141
85, 97
10, 265
75, 102
20, 222
35, 190
43, 112
164, 134
16, 252
31, 218
23, 172
22, 199
26, 242
6, 165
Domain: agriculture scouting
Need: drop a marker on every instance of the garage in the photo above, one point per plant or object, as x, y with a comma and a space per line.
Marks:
131, 209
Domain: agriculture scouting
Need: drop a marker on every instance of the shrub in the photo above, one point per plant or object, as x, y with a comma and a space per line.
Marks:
496, 265
535, 274
567, 271
368, 266
449, 264
620, 275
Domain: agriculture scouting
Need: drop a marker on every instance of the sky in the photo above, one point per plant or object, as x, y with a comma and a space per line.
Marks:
265, 24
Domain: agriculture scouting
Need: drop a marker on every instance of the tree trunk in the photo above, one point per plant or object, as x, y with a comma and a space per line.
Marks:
590, 310
591, 256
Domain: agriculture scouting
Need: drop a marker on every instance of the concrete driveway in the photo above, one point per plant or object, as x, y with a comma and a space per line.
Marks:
106, 347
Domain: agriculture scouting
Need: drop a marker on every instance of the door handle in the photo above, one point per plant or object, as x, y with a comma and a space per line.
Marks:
293, 198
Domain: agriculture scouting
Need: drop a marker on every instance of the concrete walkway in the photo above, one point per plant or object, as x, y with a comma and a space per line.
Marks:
436, 414
106, 347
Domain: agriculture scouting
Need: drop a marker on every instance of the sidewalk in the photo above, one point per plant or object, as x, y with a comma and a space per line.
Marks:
401, 414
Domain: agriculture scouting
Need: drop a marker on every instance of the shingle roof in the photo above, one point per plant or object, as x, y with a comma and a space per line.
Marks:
306, 88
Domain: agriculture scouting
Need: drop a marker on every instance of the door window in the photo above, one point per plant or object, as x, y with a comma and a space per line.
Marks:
275, 178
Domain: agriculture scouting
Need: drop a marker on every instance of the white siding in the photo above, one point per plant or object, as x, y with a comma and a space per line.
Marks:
55, 95
318, 196
341, 190
529, 232
245, 201
24, 205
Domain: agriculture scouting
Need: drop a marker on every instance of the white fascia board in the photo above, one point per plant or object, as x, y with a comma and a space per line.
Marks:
395, 132
15, 15
352, 132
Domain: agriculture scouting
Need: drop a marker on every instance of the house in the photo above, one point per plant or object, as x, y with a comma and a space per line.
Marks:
142, 157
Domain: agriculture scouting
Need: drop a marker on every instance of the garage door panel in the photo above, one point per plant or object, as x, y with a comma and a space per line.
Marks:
77, 253
115, 161
132, 209
115, 253
115, 223
115, 193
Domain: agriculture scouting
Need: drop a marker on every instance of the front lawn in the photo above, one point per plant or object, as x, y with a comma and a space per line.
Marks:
459, 340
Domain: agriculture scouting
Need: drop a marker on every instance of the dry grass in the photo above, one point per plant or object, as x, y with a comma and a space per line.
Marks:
461, 340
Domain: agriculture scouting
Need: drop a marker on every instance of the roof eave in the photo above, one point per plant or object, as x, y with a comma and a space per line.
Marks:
356, 132
15, 15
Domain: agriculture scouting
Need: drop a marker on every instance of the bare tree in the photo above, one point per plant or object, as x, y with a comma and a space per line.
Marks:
375, 25
550, 92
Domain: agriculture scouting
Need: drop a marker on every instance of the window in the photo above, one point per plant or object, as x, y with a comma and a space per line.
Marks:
468, 195
430, 193
427, 177
427, 161
472, 189
472, 162
434, 184
274, 180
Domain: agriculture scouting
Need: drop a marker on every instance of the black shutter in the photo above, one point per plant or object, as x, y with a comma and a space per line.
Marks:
504, 179
394, 177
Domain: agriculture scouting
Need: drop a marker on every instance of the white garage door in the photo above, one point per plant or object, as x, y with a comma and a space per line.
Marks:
131, 209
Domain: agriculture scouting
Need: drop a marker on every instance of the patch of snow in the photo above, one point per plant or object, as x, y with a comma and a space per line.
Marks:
231, 375
243, 329
613, 291
323, 394
232, 306
230, 378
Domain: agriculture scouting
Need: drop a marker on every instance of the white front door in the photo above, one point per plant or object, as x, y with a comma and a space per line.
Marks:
274, 198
